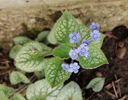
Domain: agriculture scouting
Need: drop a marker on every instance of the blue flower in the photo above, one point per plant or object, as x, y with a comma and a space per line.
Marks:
74, 67
83, 49
95, 35
94, 26
85, 42
65, 67
73, 53
87, 55
74, 37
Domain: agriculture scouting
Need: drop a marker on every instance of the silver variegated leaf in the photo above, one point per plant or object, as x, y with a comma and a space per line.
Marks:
71, 91
41, 90
54, 73
21, 40
65, 25
96, 84
18, 96
18, 77
31, 57
97, 58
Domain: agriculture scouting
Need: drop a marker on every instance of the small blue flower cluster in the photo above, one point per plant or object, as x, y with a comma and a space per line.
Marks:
73, 67
95, 34
82, 50
74, 37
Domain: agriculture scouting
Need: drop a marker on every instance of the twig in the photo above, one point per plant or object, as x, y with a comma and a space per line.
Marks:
118, 86
1, 74
119, 90
124, 97
112, 95
4, 67
114, 88
109, 86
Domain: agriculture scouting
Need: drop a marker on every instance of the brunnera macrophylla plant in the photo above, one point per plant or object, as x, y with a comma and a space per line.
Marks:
76, 46
80, 43
75, 41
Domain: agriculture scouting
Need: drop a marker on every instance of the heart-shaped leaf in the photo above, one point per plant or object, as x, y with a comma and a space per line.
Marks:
14, 50
54, 73
97, 58
51, 38
31, 57
62, 51
18, 96
41, 90
21, 40
41, 36
70, 92
18, 77
3, 96
96, 84
6, 90
65, 25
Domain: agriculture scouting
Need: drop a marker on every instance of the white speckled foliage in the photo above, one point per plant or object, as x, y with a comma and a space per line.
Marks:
62, 28
31, 57
54, 72
71, 91
41, 90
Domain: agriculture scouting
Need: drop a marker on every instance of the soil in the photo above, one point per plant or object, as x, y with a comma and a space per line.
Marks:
115, 73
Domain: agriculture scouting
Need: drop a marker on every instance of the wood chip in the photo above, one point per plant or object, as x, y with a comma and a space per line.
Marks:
99, 74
